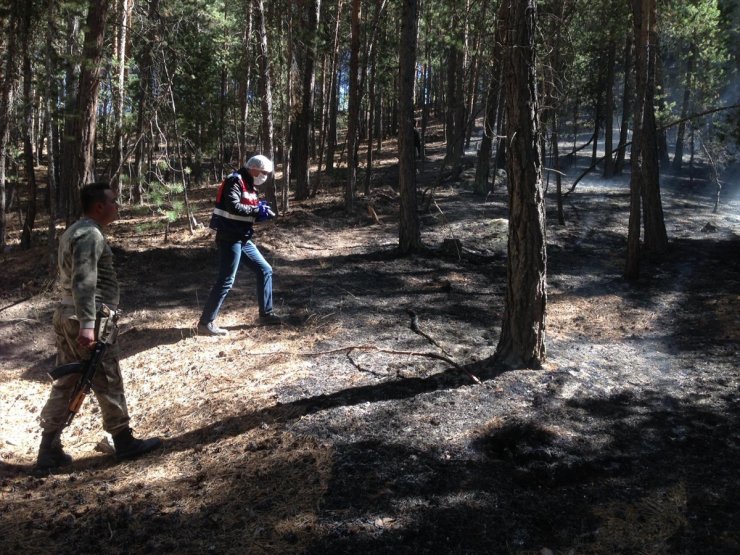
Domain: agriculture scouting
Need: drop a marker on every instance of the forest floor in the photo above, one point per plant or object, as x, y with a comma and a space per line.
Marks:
337, 433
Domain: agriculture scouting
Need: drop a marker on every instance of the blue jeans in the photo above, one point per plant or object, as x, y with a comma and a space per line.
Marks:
230, 254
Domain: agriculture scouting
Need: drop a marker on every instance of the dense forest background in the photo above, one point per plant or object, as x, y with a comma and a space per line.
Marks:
462, 189
157, 96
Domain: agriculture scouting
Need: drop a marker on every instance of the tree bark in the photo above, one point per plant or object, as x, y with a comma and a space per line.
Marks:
331, 134
626, 107
118, 147
146, 94
6, 100
243, 85
609, 109
28, 158
83, 170
656, 238
483, 167
307, 51
640, 13
265, 85
353, 116
409, 234
51, 95
681, 132
522, 341
288, 122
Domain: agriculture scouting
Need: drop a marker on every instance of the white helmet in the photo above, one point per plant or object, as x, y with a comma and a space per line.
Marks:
260, 162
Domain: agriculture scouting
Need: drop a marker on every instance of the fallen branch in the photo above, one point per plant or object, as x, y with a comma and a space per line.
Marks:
377, 350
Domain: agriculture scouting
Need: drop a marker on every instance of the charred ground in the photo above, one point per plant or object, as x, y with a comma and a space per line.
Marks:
320, 437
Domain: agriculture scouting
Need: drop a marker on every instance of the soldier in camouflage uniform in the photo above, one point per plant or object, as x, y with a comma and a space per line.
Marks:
88, 280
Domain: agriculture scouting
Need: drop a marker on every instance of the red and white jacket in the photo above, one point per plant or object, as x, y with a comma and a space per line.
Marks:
235, 210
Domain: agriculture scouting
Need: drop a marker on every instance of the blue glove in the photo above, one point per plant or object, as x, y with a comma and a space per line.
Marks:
264, 212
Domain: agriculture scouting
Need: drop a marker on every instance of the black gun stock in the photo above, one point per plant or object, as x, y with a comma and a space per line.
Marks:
66, 369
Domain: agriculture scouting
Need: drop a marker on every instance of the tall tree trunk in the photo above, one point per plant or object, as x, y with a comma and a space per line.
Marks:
369, 61
609, 109
28, 158
656, 238
329, 116
331, 134
483, 167
287, 114
370, 123
71, 103
522, 341
6, 101
307, 50
118, 147
659, 96
408, 228
598, 115
455, 104
681, 132
626, 106
178, 147
555, 71
51, 95
243, 86
265, 85
354, 110
474, 81
83, 170
641, 14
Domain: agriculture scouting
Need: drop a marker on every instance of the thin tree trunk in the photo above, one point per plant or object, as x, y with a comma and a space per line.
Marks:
656, 238
83, 170
51, 95
6, 100
301, 163
265, 84
409, 234
681, 132
71, 103
178, 147
483, 167
287, 120
660, 99
473, 83
640, 13
118, 147
609, 110
626, 107
370, 123
354, 110
331, 135
597, 126
243, 86
522, 341
30, 219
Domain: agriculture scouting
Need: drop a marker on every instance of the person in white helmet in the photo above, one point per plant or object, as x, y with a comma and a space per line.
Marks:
237, 209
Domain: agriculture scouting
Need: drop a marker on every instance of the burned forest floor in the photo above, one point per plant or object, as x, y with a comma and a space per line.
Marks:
341, 432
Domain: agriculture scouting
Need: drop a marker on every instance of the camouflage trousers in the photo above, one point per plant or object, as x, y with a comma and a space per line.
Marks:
107, 383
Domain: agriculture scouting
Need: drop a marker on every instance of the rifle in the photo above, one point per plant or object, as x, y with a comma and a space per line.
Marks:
106, 331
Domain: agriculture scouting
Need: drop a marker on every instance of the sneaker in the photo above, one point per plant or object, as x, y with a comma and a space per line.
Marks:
210, 329
128, 447
270, 320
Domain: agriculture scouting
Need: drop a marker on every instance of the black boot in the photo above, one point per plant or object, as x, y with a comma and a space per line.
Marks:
51, 454
128, 447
